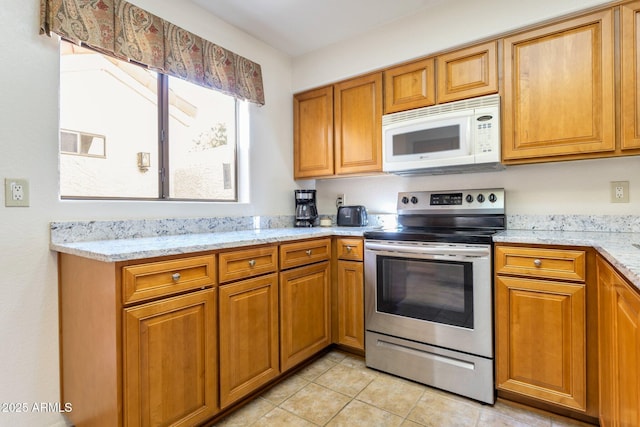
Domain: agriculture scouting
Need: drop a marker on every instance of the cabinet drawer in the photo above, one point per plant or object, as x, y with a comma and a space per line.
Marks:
247, 263
157, 279
541, 262
302, 253
350, 249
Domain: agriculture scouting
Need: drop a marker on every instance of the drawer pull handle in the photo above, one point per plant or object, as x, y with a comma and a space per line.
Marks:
175, 277
349, 248
537, 262
252, 263
308, 252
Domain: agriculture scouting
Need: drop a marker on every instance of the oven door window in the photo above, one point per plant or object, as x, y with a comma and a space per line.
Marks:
431, 290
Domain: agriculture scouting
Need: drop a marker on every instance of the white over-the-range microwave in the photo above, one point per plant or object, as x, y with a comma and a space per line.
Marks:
460, 136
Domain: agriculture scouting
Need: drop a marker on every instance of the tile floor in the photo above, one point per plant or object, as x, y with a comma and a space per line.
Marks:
339, 390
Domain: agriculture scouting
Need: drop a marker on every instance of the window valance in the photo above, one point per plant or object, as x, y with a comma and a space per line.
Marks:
122, 30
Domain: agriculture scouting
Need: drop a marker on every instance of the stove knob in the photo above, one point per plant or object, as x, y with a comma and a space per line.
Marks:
469, 198
405, 200
480, 198
414, 200
493, 198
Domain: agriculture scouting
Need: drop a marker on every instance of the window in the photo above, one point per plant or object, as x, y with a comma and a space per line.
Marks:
168, 138
83, 144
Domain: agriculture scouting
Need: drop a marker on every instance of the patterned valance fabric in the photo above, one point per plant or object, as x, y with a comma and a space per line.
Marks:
122, 30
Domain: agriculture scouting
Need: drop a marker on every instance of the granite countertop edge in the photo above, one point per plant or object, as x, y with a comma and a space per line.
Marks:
615, 247
149, 247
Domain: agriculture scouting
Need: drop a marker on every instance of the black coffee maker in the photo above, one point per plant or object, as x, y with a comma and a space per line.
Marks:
306, 211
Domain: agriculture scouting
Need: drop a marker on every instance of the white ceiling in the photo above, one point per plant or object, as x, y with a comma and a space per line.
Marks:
300, 26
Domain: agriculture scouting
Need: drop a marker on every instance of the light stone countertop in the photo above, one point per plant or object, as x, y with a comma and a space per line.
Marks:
617, 248
149, 247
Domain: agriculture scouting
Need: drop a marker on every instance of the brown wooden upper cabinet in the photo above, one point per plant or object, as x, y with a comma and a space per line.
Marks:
630, 62
313, 133
409, 86
559, 91
337, 129
466, 73
358, 125
461, 74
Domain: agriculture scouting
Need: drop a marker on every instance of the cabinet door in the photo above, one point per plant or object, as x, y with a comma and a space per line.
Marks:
313, 133
559, 90
358, 125
540, 338
468, 72
305, 313
248, 319
606, 301
630, 58
351, 304
170, 361
627, 354
409, 86
619, 323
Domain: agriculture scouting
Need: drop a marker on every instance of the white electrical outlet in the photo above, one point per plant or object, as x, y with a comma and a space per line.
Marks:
16, 192
340, 200
619, 191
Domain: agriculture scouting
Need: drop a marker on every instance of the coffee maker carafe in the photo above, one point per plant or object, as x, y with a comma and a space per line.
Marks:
306, 211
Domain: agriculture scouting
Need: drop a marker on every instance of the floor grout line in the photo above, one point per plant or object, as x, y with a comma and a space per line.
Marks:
430, 403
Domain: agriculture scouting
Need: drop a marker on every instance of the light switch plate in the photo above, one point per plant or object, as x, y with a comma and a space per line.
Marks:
16, 192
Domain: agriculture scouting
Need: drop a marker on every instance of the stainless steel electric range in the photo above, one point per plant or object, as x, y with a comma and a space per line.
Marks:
429, 290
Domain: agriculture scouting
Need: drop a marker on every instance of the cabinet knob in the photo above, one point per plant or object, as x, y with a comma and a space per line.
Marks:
349, 248
252, 263
175, 277
308, 252
537, 262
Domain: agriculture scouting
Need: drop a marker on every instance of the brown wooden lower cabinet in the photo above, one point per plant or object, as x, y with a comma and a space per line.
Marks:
170, 375
540, 331
152, 362
350, 298
546, 328
248, 319
159, 342
305, 313
619, 349
565, 318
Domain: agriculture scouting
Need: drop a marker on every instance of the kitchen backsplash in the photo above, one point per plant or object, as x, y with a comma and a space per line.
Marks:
82, 231
605, 223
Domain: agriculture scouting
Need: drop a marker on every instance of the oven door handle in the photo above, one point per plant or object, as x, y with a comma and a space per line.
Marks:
429, 250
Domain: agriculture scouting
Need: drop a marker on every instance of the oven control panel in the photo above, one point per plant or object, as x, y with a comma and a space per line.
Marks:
486, 200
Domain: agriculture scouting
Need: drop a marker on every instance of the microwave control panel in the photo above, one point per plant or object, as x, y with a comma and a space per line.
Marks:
485, 128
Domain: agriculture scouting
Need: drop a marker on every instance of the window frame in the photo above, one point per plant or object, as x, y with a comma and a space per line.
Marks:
163, 193
79, 135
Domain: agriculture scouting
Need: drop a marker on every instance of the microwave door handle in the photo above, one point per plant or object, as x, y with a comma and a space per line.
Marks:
429, 250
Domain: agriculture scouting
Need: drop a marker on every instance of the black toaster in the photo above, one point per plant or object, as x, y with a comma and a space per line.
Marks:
352, 216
